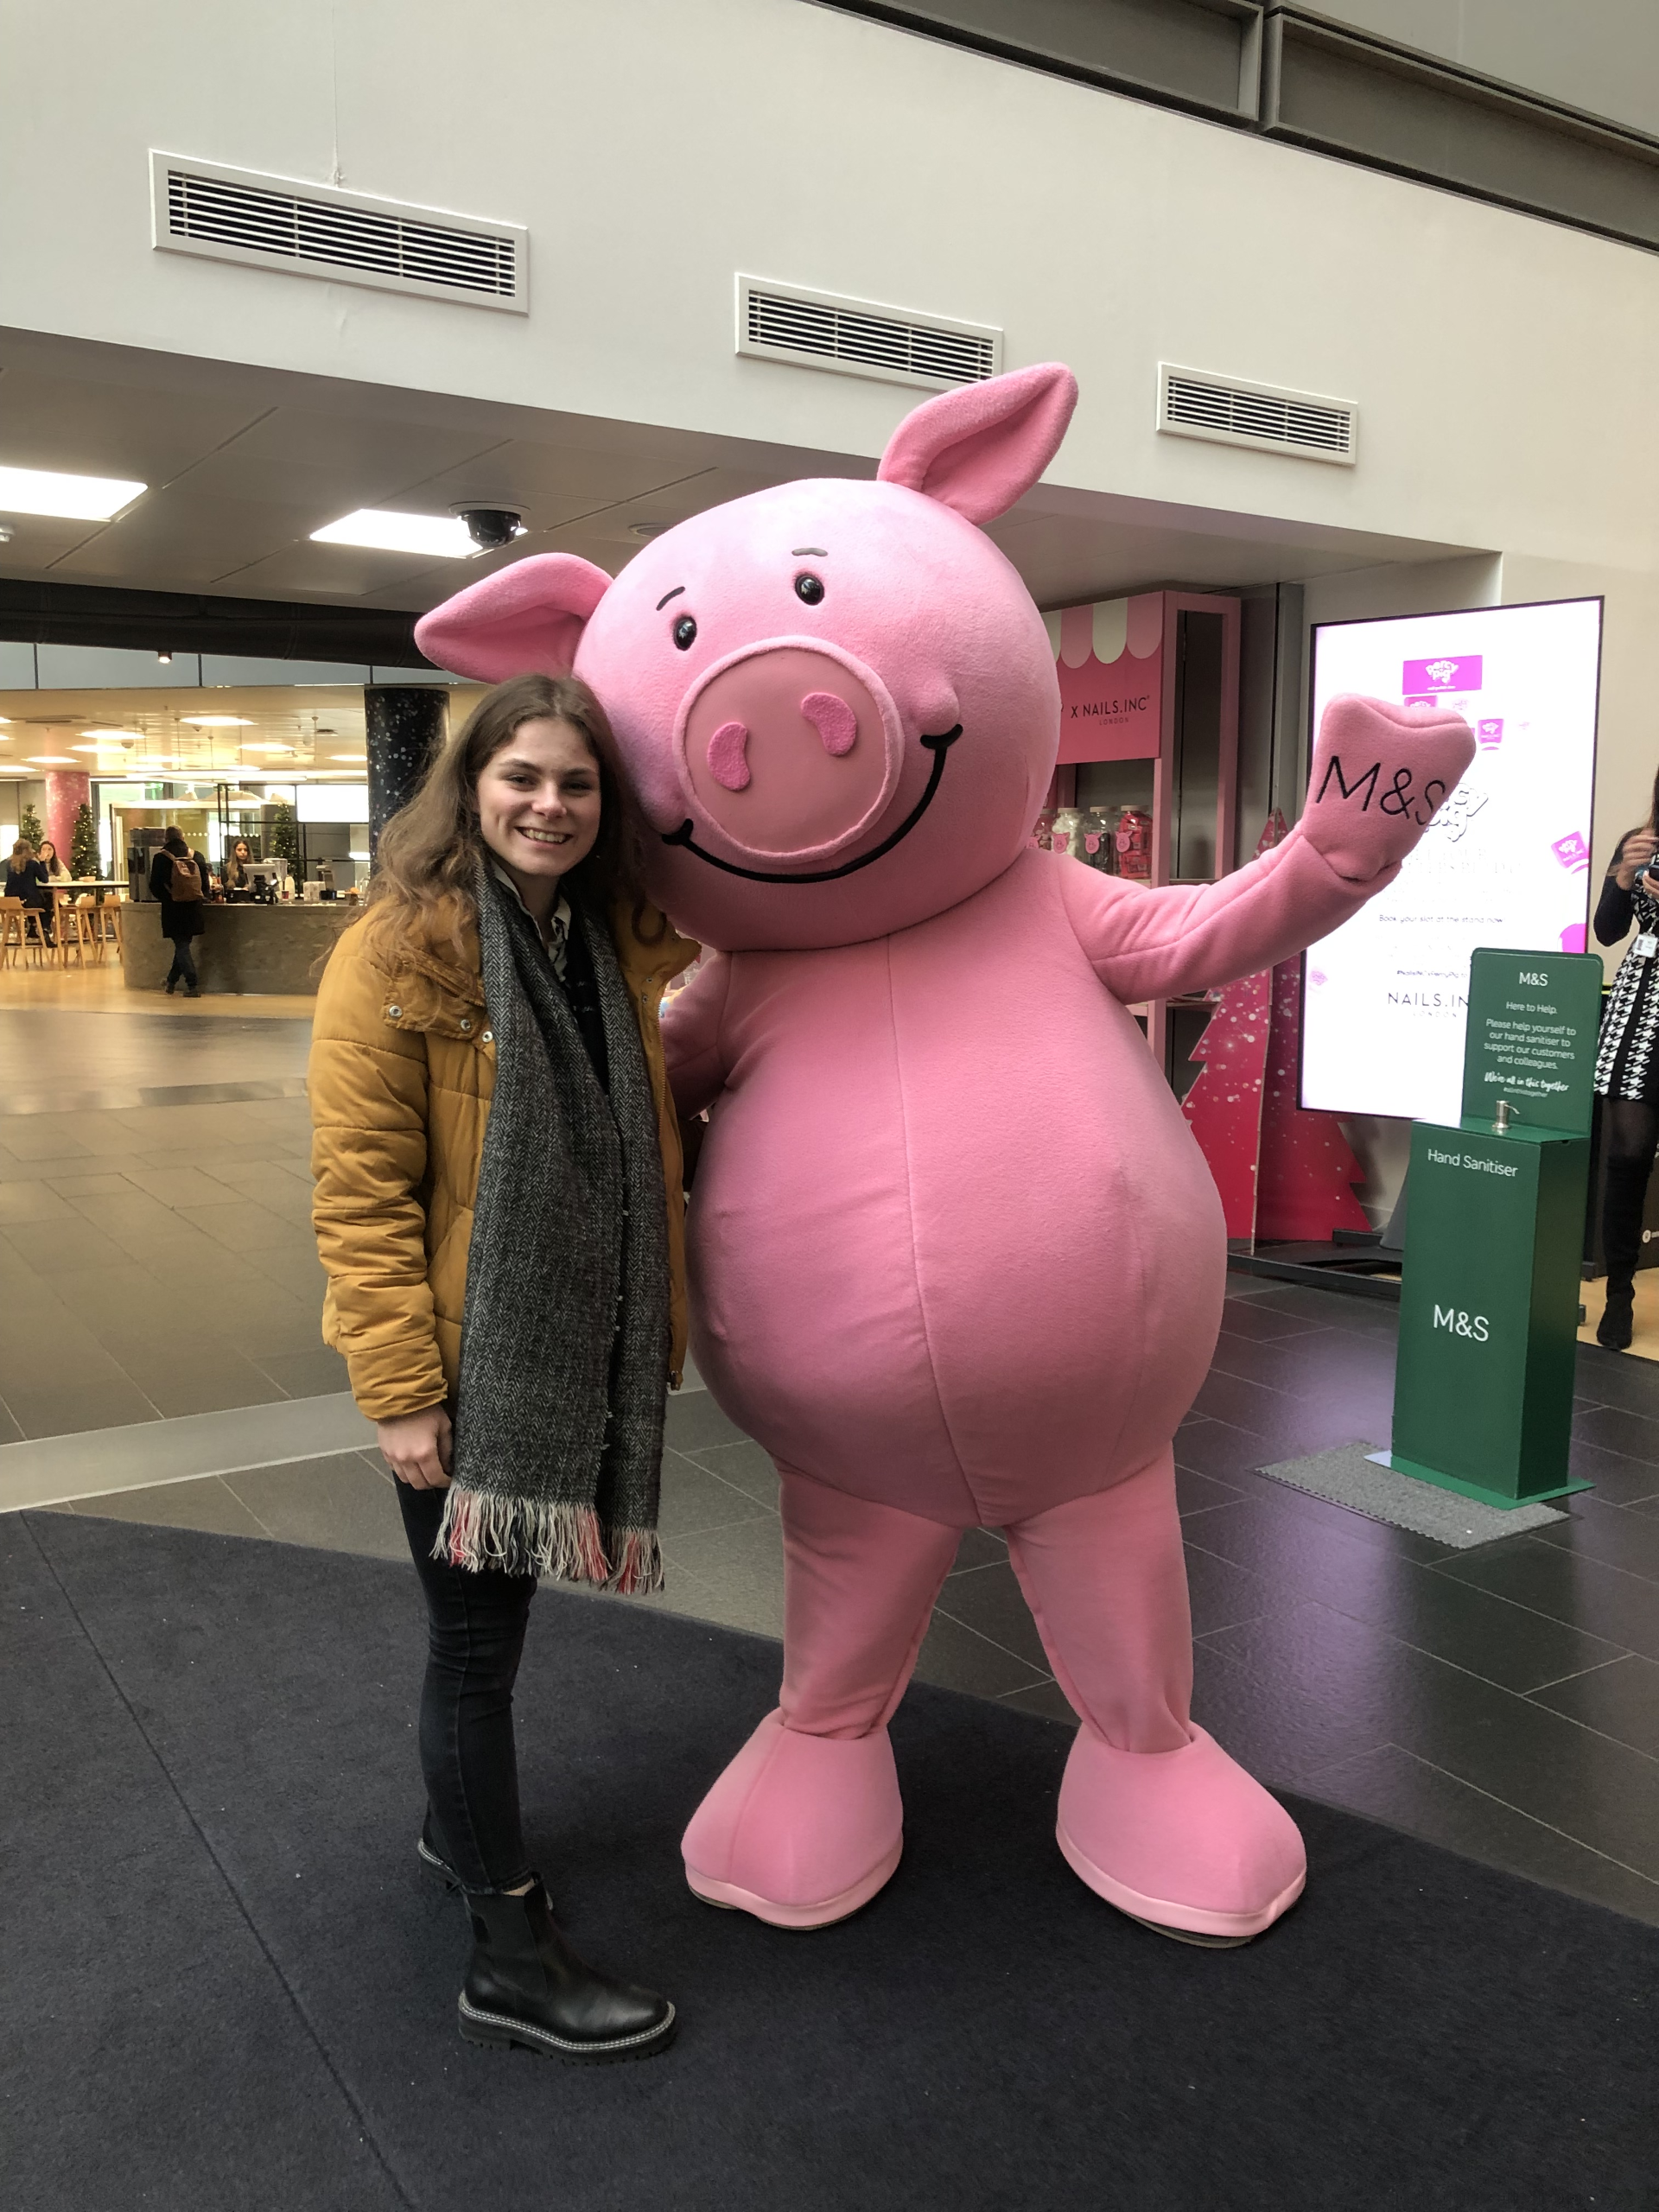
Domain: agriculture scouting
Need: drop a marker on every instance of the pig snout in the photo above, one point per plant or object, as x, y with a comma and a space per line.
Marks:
791, 751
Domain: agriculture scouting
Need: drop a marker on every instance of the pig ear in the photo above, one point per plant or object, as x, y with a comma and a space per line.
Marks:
980, 447
525, 619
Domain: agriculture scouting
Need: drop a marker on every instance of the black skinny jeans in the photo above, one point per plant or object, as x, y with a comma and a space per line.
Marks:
184, 963
476, 1624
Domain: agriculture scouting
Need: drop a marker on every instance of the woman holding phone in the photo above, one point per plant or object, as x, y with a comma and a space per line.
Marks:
1627, 1067
498, 1209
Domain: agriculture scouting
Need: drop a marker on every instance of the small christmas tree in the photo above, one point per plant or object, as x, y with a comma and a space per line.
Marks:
1223, 1107
28, 826
1284, 1175
1304, 1190
284, 840
83, 843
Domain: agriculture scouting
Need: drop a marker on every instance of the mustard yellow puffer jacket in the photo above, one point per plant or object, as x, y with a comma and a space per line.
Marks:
401, 1071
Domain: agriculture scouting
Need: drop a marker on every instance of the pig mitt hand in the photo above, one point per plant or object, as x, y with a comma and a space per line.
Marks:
1379, 773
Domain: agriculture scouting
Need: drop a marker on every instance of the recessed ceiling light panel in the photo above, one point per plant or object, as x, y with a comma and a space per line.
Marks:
218, 721
441, 537
74, 498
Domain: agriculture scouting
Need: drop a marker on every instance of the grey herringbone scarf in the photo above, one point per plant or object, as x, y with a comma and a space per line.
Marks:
564, 1341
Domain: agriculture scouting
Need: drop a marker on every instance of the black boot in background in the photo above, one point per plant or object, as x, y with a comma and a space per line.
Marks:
526, 1986
1623, 1198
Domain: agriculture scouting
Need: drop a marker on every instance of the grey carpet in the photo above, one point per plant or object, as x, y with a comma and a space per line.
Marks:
1352, 1475
225, 1986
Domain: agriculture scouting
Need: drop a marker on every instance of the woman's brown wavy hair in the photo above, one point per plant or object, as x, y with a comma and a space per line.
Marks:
429, 851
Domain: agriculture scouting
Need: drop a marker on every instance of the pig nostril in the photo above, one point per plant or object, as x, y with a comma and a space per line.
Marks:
728, 761
833, 719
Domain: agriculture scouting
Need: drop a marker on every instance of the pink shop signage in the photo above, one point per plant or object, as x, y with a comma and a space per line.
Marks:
1447, 672
1110, 660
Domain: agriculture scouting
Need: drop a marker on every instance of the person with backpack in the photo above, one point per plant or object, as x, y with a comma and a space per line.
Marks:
179, 879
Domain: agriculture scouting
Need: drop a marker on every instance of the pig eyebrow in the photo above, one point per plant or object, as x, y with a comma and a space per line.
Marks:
823, 551
667, 596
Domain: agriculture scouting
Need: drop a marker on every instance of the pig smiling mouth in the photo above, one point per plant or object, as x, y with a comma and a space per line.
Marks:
939, 747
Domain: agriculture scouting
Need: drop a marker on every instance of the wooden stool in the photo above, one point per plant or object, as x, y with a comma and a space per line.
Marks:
35, 940
88, 928
66, 929
11, 931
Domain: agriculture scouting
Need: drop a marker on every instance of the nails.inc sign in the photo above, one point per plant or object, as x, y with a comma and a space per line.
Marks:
1110, 660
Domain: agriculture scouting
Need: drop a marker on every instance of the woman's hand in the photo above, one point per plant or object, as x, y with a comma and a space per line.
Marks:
416, 1446
1639, 848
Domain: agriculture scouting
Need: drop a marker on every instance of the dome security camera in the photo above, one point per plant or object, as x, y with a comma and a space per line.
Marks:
490, 528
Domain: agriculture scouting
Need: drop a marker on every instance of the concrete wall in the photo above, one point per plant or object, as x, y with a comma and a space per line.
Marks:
1599, 55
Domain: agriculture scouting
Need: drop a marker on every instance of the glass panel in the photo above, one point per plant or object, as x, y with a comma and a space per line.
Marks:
1197, 747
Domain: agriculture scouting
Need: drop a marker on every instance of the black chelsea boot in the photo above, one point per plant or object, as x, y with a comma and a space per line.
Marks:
526, 1987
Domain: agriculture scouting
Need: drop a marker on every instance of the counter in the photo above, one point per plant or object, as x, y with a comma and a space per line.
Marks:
253, 950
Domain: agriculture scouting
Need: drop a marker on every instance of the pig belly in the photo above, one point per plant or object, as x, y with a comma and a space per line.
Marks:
952, 1245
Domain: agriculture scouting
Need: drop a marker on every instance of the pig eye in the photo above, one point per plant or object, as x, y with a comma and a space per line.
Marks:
811, 589
684, 633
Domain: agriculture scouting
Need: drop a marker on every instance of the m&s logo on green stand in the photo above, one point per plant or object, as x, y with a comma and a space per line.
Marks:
1488, 1297
1459, 1323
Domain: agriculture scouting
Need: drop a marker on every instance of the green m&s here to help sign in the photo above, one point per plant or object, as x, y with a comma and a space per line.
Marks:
1531, 1037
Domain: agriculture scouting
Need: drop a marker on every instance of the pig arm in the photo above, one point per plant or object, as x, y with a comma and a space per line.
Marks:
1378, 775
1157, 944
691, 1042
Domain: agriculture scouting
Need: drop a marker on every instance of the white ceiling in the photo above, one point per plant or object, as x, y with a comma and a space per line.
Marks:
244, 463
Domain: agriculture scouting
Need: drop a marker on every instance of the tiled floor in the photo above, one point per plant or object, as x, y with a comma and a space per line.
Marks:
155, 1259
1504, 1702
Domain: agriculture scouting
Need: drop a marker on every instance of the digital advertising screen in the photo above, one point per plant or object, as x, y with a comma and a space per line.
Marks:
1505, 862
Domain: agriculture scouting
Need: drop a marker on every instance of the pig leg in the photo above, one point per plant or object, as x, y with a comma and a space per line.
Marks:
1153, 1816
805, 1825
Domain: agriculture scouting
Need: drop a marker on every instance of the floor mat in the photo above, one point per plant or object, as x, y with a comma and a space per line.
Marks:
1356, 1476
226, 1985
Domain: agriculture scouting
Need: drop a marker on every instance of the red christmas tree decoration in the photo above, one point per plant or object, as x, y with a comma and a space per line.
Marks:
1223, 1107
1283, 1174
1304, 1188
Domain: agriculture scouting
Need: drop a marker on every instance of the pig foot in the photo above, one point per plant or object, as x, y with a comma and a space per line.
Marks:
799, 1830
1184, 1841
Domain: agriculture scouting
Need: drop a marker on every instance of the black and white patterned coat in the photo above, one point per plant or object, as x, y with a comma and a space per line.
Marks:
1627, 1063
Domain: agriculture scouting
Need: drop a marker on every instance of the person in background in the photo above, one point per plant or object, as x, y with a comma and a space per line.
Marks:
497, 1209
27, 879
53, 867
1627, 1068
235, 868
179, 879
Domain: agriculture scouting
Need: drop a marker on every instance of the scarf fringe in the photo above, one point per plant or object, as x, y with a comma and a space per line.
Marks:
519, 1535
638, 1569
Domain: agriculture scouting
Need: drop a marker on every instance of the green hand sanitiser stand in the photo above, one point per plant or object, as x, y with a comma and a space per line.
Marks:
1488, 1301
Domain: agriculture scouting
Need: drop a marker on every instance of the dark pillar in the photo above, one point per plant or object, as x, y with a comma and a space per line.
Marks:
405, 725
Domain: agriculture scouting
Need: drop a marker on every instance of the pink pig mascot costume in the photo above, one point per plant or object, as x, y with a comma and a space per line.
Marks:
839, 710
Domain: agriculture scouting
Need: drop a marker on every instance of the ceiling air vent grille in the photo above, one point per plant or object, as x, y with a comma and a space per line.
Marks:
1260, 416
818, 330
315, 230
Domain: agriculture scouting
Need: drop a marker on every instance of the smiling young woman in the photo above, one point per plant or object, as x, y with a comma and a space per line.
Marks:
499, 1212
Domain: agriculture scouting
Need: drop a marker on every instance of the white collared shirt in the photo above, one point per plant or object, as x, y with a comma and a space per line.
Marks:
556, 935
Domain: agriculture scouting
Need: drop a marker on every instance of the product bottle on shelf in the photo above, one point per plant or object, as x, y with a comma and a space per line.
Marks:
1133, 842
1099, 841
